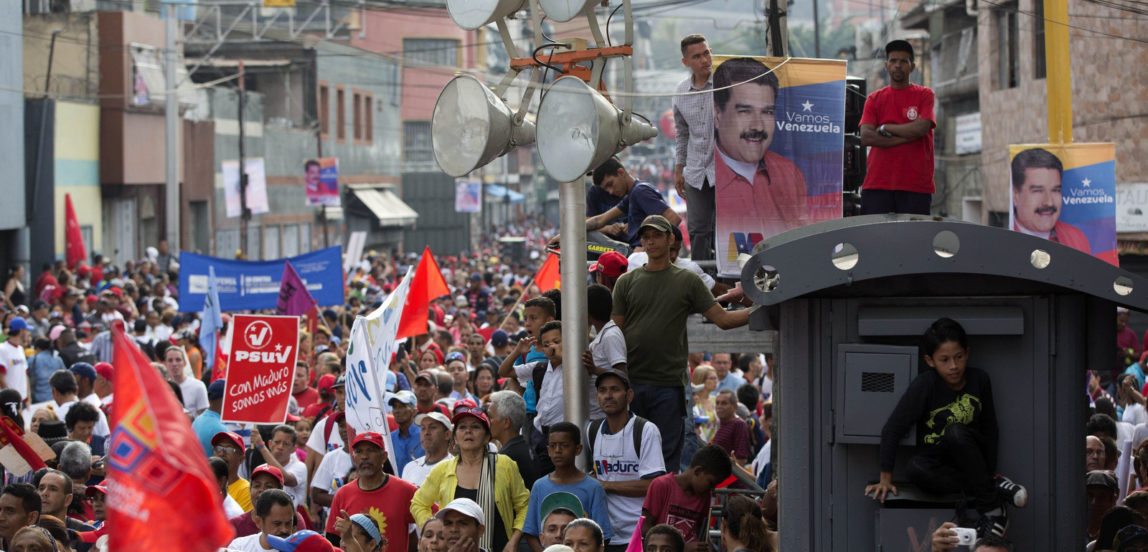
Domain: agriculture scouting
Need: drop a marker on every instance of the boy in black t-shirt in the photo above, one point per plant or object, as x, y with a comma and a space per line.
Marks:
952, 406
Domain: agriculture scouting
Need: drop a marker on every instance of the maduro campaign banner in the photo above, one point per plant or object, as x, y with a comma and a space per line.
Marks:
372, 343
254, 285
261, 369
321, 177
778, 146
1066, 193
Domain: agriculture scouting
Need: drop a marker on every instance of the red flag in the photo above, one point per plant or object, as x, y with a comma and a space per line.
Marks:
219, 368
73, 237
549, 276
12, 434
313, 320
163, 493
427, 285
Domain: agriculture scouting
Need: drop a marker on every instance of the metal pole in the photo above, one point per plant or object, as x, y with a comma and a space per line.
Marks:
1058, 70
171, 130
51, 56
572, 202
816, 30
245, 214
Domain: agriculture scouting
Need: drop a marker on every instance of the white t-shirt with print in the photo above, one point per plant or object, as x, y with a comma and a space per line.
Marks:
616, 460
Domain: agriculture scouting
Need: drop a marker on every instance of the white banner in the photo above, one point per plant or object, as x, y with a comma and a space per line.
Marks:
368, 358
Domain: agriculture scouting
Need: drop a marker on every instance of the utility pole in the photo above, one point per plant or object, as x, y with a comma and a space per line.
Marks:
245, 213
776, 35
816, 30
171, 129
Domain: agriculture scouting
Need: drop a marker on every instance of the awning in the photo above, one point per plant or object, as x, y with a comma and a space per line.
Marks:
386, 206
496, 190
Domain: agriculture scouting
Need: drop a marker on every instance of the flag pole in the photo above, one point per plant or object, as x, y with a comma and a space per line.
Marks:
516, 303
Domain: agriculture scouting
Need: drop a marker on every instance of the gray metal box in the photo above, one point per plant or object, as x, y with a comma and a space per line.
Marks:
871, 380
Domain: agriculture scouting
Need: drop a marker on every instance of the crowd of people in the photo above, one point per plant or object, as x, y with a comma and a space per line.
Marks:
482, 456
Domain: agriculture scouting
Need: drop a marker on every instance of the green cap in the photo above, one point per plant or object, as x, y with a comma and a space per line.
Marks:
657, 222
561, 501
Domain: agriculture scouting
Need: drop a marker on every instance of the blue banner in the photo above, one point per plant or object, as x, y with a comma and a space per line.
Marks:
254, 285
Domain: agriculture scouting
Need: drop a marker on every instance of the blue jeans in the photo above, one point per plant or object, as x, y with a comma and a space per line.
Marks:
666, 407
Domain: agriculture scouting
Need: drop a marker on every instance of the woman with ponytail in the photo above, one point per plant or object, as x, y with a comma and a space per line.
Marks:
742, 528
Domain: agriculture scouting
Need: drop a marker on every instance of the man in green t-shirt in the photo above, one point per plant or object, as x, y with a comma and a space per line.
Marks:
651, 304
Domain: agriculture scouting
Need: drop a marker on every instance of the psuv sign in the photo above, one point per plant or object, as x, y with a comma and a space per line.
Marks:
261, 370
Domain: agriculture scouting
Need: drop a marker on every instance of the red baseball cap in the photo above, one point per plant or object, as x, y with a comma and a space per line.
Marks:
302, 541
611, 263
269, 470
230, 437
475, 413
464, 403
326, 382
372, 437
106, 370
93, 489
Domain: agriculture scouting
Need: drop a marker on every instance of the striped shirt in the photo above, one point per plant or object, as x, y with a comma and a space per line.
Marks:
694, 122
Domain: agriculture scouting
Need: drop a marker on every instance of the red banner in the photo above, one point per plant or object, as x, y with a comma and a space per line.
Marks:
73, 236
162, 493
260, 368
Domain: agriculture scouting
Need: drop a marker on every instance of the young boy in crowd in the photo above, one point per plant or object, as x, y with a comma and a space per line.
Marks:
546, 377
682, 500
564, 445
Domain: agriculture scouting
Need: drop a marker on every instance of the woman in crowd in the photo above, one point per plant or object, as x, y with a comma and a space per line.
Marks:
705, 382
14, 287
492, 480
484, 380
742, 528
432, 537
360, 533
34, 538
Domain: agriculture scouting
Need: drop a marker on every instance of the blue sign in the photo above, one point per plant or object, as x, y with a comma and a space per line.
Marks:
254, 285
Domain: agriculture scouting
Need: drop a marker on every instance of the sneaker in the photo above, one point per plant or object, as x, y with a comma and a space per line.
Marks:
993, 522
1012, 492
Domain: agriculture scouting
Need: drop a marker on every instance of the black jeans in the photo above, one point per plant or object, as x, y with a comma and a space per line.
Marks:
957, 465
881, 202
666, 407
700, 221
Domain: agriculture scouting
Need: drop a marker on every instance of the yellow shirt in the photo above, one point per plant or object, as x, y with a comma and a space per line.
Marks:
511, 497
240, 491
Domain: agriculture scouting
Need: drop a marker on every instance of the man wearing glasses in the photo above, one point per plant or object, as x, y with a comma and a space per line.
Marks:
229, 446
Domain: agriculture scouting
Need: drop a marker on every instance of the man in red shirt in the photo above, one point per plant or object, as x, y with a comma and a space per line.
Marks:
897, 125
304, 394
758, 193
1037, 200
379, 496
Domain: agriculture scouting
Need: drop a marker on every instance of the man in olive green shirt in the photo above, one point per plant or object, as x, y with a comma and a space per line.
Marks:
651, 304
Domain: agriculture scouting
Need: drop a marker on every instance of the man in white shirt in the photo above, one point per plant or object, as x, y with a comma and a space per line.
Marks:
279, 453
13, 359
608, 349
275, 515
194, 391
64, 390
625, 464
434, 436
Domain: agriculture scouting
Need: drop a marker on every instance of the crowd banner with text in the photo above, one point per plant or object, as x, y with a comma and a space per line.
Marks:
261, 369
254, 285
778, 146
1066, 193
321, 179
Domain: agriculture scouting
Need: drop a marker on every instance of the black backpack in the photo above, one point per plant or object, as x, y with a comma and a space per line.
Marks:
596, 426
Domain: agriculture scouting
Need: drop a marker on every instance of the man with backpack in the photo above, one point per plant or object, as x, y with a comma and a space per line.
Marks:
626, 455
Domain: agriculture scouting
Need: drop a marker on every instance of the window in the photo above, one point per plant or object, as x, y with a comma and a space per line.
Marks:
340, 114
430, 51
417, 142
357, 116
1039, 71
148, 83
324, 110
1007, 30
368, 118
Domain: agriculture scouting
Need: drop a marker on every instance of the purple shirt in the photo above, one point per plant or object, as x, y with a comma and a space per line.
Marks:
733, 436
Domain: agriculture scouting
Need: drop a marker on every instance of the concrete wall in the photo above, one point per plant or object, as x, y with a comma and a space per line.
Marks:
77, 170
1109, 92
75, 62
12, 111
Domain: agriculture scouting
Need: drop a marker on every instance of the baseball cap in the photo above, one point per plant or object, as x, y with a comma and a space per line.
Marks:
1128, 535
561, 500
326, 381
610, 372
436, 416
54, 334
657, 222
1100, 478
475, 413
463, 403
404, 396
229, 437
105, 370
611, 263
215, 390
499, 338
269, 470
431, 378
340, 381
466, 507
22, 309
84, 370
301, 541
93, 489
372, 437
17, 323
474, 276
455, 356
